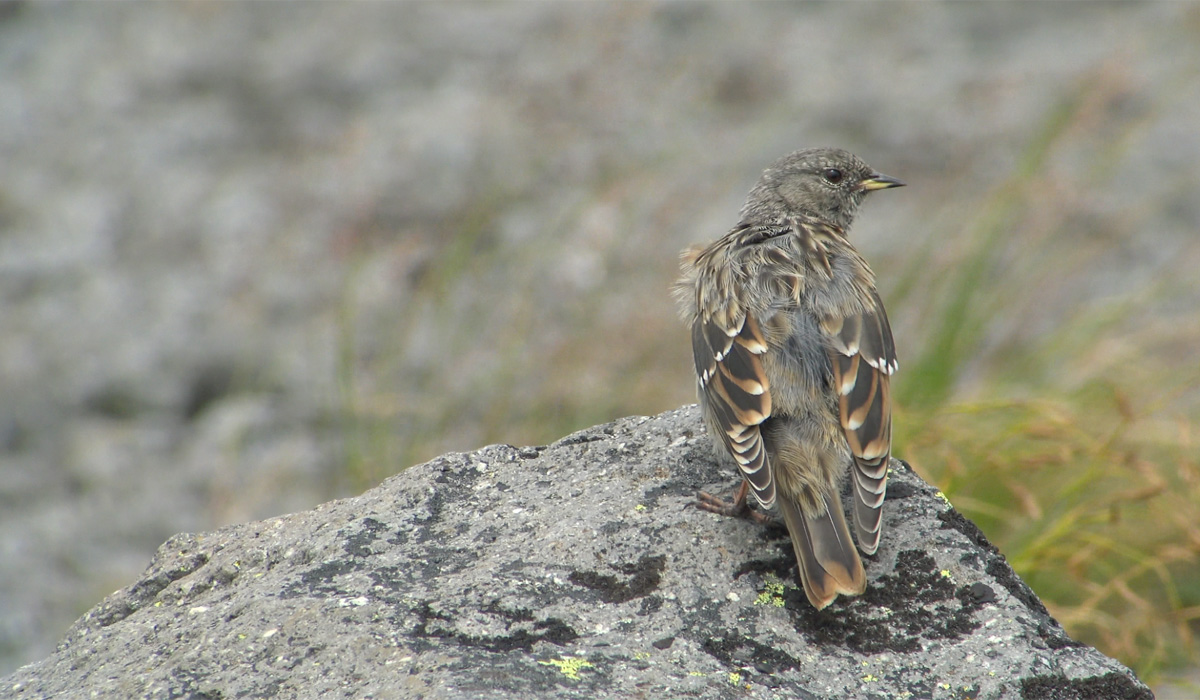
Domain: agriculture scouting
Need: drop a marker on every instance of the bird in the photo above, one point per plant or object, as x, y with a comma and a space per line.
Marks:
794, 355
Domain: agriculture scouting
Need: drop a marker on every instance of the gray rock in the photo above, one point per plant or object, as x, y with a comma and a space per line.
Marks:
576, 570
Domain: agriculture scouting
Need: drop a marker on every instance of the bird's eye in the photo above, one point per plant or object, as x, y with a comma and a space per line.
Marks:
832, 175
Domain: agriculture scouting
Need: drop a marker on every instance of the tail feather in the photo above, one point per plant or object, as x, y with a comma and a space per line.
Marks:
870, 488
828, 561
867, 525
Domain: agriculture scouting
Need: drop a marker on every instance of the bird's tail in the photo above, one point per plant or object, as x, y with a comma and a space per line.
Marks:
828, 561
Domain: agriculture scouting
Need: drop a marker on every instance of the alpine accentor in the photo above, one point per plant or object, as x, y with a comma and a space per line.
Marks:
793, 356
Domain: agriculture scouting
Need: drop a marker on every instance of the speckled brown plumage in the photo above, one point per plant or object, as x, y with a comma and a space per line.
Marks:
793, 356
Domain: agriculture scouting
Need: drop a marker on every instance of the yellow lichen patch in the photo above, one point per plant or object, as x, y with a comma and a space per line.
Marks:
569, 666
772, 593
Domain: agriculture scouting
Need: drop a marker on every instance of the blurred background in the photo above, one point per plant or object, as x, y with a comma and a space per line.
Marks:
258, 256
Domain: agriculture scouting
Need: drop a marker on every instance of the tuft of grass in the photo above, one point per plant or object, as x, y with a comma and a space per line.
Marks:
1071, 447
1096, 504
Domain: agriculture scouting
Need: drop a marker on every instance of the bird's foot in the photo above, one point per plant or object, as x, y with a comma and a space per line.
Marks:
739, 507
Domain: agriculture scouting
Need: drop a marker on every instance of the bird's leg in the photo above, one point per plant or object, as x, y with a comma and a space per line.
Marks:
738, 508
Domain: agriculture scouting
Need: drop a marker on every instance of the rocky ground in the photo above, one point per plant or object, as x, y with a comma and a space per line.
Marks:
578, 569
256, 256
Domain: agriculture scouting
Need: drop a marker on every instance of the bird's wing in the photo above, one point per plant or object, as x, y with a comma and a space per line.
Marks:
728, 347
863, 356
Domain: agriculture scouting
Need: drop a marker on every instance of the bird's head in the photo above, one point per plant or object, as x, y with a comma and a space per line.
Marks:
825, 183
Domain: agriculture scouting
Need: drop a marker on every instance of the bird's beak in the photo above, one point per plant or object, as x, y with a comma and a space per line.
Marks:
879, 182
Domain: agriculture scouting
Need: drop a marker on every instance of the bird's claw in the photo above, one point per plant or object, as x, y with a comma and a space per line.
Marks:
737, 508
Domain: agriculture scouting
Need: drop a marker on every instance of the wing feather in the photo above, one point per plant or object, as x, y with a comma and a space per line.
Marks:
863, 357
727, 349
